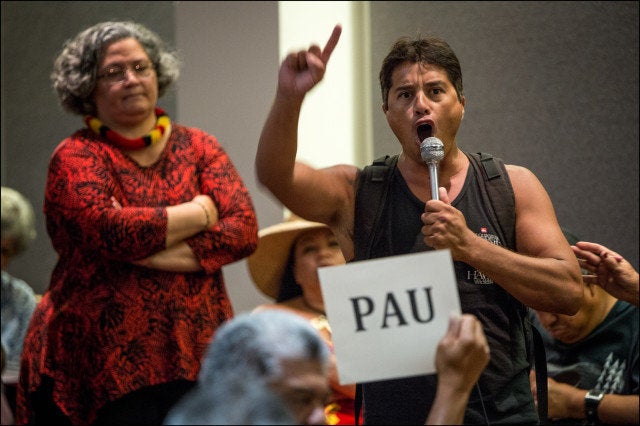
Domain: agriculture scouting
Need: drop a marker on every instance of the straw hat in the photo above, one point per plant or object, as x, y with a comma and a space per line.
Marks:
267, 263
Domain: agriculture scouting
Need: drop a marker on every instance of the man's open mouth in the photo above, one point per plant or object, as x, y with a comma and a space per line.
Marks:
424, 131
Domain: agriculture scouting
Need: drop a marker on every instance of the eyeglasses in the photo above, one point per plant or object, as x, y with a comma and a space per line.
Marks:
118, 73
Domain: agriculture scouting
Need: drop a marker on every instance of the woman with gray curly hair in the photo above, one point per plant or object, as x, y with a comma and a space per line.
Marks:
18, 298
76, 69
143, 213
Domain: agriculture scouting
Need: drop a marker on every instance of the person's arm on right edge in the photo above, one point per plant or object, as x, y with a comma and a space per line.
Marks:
610, 271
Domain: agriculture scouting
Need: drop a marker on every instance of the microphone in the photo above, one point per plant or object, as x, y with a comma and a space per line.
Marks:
432, 151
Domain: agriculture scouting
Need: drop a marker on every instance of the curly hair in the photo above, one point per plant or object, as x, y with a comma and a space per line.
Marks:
76, 67
18, 220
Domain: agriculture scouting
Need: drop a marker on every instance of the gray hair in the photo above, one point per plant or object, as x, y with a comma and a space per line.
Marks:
251, 346
243, 359
76, 67
18, 221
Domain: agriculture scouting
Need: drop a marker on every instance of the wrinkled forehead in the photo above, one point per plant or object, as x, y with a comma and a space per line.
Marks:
408, 72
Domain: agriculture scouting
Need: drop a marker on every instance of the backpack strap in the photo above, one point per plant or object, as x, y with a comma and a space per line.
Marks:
542, 391
371, 193
358, 403
498, 193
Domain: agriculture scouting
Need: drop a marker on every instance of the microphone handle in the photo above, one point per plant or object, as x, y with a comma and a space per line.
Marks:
433, 178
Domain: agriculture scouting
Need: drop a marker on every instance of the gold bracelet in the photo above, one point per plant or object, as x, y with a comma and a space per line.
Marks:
206, 213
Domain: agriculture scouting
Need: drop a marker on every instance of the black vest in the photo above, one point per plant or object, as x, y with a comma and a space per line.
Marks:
503, 394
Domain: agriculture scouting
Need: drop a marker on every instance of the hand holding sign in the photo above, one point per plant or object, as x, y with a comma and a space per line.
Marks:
388, 315
462, 355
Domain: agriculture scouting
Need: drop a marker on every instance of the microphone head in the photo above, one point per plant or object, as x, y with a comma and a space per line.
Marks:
432, 150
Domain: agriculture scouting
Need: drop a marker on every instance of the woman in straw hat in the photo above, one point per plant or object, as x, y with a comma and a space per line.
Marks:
285, 268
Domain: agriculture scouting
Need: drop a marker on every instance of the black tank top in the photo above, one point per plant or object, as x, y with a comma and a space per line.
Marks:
503, 394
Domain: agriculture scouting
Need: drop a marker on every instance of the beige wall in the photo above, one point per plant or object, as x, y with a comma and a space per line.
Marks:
230, 50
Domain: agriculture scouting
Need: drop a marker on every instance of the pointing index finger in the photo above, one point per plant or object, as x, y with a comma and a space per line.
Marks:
331, 43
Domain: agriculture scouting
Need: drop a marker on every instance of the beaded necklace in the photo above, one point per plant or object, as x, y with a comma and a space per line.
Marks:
319, 322
162, 123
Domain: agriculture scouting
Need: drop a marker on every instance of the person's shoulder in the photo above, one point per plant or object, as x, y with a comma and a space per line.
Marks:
520, 175
194, 137
515, 168
79, 139
16, 284
346, 172
287, 306
190, 130
18, 292
623, 308
82, 144
265, 306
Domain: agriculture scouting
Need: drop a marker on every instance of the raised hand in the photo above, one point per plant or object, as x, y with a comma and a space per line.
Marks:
301, 71
609, 270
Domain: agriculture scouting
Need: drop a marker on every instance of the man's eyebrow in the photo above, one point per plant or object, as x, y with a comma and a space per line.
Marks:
404, 86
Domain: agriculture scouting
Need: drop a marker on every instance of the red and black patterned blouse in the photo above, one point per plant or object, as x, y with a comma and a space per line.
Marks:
107, 327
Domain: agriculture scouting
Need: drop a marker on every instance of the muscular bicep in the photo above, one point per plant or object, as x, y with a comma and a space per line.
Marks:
323, 195
537, 229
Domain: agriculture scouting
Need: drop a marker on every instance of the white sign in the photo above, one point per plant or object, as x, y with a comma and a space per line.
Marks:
387, 315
